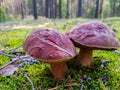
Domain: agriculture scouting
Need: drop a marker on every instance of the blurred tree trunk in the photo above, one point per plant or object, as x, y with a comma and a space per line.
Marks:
43, 8
67, 9
55, 8
35, 9
113, 7
101, 4
113, 14
16, 8
22, 10
60, 8
40, 8
25, 7
74, 9
51, 8
119, 8
96, 9
46, 8
70, 9
79, 12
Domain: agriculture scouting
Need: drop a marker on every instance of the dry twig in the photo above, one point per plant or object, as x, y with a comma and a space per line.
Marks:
28, 79
66, 85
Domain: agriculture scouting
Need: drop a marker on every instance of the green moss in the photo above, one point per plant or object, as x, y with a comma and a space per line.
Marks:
40, 73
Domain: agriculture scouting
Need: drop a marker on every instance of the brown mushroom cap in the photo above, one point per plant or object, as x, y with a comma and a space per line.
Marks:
94, 35
49, 46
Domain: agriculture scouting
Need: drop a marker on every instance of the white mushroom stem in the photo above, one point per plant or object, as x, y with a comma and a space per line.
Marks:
59, 70
85, 57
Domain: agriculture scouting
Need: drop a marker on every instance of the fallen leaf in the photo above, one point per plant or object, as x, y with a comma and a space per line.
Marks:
18, 62
9, 70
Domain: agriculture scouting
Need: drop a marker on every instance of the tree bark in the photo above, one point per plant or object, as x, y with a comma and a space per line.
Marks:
101, 4
79, 12
35, 9
22, 10
55, 8
67, 9
46, 8
119, 9
43, 8
96, 9
114, 7
60, 8
51, 9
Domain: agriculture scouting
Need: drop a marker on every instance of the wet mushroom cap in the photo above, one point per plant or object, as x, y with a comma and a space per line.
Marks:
94, 35
49, 46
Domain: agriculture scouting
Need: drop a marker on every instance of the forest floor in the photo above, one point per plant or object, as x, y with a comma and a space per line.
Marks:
13, 34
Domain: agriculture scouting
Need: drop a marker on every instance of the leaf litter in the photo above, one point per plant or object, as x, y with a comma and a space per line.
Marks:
16, 63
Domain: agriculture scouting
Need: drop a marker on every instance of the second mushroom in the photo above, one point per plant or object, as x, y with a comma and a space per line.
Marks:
91, 36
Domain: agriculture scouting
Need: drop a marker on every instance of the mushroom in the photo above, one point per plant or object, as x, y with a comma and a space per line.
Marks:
49, 46
91, 36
